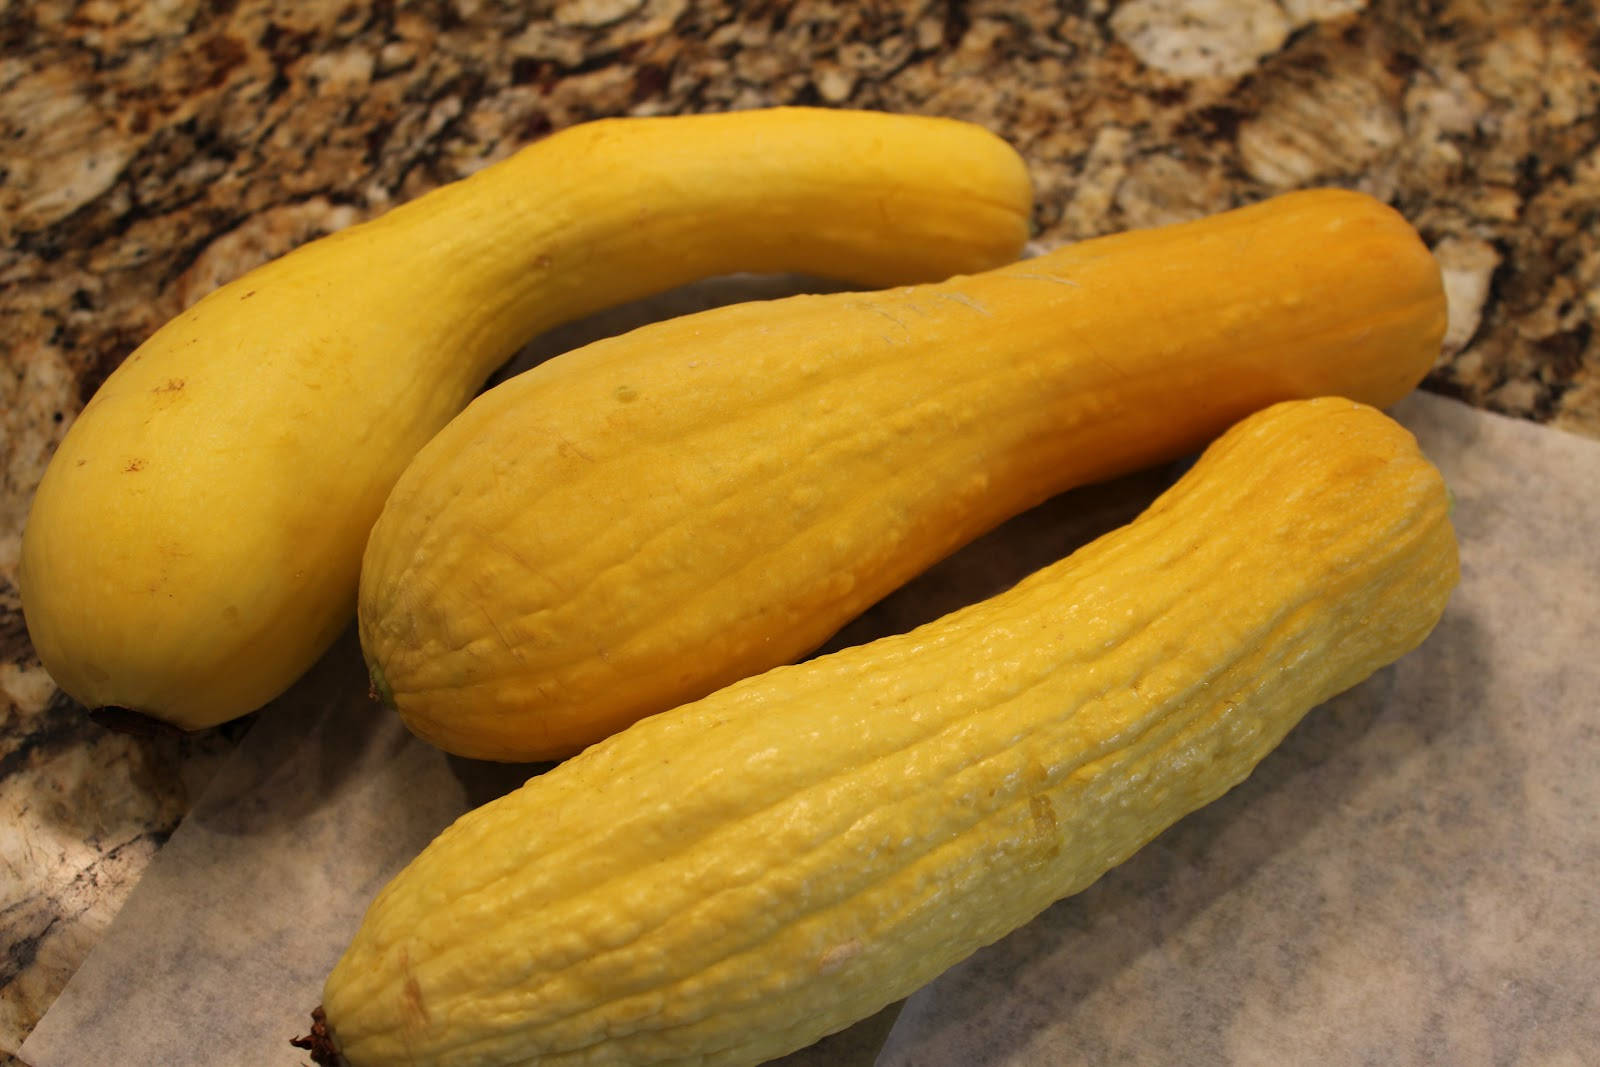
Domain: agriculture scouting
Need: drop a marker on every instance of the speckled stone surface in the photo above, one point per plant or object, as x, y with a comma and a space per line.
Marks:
149, 152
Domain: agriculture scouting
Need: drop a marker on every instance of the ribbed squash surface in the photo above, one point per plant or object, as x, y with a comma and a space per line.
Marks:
634, 524
728, 881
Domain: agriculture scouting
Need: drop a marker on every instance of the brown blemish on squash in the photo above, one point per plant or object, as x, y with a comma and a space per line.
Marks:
378, 687
172, 385
1044, 822
413, 1010
134, 465
837, 956
566, 448
414, 1005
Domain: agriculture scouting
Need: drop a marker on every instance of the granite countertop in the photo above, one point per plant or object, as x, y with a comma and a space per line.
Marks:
153, 151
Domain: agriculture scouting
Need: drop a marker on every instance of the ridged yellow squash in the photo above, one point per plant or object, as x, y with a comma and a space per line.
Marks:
728, 881
636, 523
196, 540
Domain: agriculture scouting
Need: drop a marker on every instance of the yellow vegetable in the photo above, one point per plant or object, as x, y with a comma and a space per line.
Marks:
196, 541
733, 879
634, 524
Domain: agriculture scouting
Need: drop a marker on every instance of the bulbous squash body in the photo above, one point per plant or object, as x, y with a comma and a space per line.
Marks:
636, 523
731, 880
196, 540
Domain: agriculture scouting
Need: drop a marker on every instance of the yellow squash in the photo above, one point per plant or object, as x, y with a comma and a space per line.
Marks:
196, 540
636, 523
733, 879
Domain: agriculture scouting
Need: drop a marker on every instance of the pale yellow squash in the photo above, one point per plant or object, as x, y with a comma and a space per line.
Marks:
196, 540
731, 880
633, 524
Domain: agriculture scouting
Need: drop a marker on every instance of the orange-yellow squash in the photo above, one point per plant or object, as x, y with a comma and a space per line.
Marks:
728, 881
636, 523
196, 540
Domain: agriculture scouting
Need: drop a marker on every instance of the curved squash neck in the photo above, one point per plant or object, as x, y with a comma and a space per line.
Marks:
618, 210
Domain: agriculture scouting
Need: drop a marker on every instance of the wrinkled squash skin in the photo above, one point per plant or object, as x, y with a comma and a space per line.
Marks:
196, 541
633, 524
728, 881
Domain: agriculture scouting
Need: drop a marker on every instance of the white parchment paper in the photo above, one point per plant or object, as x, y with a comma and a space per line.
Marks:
1410, 878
